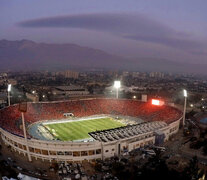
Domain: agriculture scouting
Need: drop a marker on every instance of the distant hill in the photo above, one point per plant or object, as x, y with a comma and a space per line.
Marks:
29, 55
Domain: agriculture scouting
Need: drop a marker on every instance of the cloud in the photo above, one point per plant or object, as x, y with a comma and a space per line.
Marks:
131, 26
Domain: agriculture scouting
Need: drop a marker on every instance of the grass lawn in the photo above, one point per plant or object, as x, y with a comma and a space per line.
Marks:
79, 129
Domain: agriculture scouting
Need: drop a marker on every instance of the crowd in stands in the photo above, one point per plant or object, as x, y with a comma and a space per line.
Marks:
10, 117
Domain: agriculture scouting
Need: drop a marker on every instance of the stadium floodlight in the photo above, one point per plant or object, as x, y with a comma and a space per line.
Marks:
117, 85
185, 93
9, 90
23, 109
185, 102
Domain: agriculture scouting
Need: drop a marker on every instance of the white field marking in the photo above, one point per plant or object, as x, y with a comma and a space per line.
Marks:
69, 120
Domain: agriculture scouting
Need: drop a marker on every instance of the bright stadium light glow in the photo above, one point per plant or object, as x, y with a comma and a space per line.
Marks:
155, 102
185, 93
117, 84
185, 102
9, 88
134, 97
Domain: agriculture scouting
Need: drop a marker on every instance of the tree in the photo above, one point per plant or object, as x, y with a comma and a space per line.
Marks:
205, 150
192, 169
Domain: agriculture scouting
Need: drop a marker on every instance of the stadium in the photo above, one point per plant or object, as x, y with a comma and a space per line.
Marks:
87, 129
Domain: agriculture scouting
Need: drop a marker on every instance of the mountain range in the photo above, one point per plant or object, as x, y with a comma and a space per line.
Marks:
29, 55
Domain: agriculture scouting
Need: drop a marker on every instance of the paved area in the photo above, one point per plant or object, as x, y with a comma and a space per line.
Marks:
178, 151
20, 163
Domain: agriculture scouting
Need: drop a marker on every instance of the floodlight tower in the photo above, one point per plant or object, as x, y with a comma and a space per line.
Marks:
9, 90
185, 101
117, 85
23, 109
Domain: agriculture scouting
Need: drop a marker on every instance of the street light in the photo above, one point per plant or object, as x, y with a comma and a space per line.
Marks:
185, 101
117, 85
9, 90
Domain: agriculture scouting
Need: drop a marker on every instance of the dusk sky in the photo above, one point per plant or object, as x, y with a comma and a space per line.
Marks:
176, 30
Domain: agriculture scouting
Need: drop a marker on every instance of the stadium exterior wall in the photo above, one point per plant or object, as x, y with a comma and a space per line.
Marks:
79, 151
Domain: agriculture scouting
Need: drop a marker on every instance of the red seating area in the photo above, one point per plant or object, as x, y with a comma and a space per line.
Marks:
10, 117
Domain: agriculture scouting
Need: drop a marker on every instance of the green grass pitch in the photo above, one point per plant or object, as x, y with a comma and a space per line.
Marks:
77, 130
